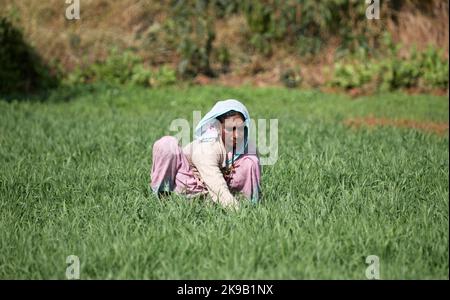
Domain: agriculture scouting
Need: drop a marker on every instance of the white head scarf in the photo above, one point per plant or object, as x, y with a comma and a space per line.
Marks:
207, 128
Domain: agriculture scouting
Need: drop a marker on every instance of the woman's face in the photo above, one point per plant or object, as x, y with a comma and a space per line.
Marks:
233, 131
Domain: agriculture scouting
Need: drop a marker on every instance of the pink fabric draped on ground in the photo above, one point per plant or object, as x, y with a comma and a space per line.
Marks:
171, 171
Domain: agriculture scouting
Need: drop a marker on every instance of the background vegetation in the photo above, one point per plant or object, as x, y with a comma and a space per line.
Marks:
298, 43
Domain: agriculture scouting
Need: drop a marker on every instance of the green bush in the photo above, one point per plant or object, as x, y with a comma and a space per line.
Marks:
118, 68
163, 77
350, 75
141, 76
434, 68
427, 69
122, 68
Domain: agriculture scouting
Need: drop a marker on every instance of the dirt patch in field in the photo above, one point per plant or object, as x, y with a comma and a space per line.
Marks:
440, 128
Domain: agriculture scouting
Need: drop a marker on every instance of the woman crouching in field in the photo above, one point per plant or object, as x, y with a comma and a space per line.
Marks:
220, 161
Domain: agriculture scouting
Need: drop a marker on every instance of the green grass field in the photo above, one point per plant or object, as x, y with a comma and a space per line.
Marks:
74, 180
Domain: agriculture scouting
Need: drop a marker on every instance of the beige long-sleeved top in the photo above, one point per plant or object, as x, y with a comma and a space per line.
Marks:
206, 159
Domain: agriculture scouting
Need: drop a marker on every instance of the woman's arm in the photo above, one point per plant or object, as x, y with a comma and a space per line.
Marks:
208, 158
